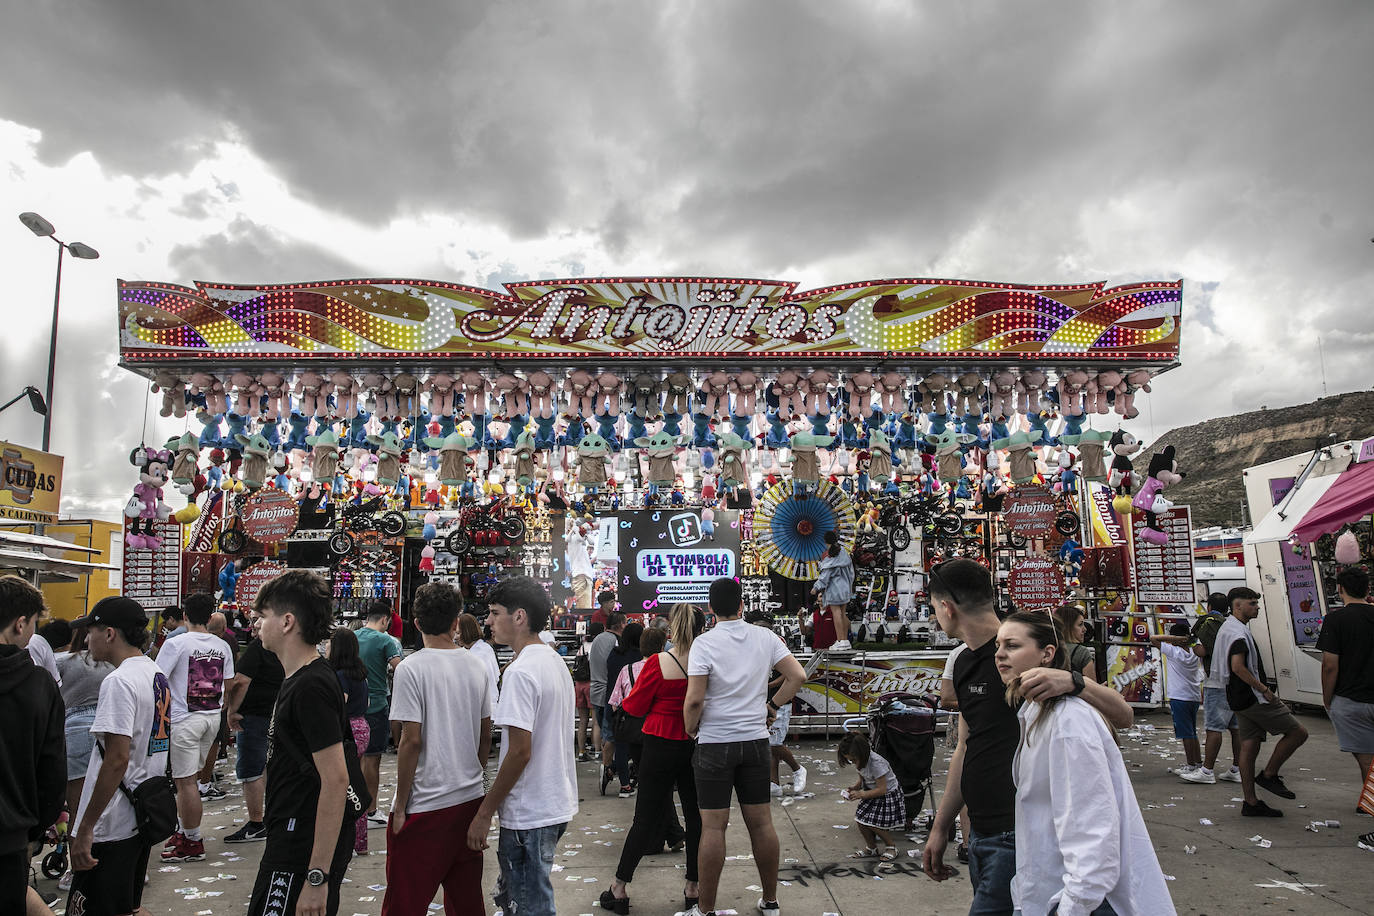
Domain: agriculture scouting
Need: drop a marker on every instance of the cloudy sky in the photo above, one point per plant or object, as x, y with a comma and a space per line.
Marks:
1226, 143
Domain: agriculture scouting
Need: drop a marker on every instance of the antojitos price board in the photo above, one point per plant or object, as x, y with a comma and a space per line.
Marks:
252, 580
1030, 511
269, 516
1036, 584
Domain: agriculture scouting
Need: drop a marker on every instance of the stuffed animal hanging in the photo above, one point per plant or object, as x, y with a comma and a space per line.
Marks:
345, 394
308, 389
1002, 402
453, 457
1163, 472
677, 391
607, 393
806, 470
892, 391
949, 458
816, 393
146, 507
715, 391
541, 393
1138, 380
405, 386
592, 451
744, 386
324, 455
1021, 456
1030, 388
1121, 476
256, 450
173, 389
645, 396
932, 391
513, 394
969, 393
859, 387
787, 388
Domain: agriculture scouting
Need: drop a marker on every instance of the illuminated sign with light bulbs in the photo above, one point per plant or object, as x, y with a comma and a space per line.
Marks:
652, 319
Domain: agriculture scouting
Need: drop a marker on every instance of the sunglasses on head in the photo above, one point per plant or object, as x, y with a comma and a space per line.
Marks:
944, 583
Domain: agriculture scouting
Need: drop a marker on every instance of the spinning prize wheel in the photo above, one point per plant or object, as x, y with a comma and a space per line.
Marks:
789, 533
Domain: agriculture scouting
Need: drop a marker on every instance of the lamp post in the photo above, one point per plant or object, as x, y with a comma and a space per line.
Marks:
41, 227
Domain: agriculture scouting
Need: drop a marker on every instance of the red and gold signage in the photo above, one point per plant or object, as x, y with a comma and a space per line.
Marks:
269, 516
1030, 511
1036, 584
251, 580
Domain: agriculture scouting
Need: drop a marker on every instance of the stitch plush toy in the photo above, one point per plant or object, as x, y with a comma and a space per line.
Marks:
1003, 389
645, 396
1122, 473
1030, 387
453, 457
1021, 460
308, 389
388, 458
1163, 472
677, 391
787, 388
173, 389
744, 385
892, 391
513, 394
146, 507
1137, 380
324, 456
715, 389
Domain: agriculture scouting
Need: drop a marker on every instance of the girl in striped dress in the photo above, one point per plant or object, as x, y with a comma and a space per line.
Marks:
882, 808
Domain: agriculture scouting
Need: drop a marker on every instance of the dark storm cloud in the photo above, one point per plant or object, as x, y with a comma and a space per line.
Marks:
246, 252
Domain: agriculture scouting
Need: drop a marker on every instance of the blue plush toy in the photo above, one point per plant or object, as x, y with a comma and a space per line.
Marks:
272, 433
300, 425
544, 436
229, 581
777, 432
210, 434
906, 432
702, 437
672, 424
606, 430
237, 426
573, 434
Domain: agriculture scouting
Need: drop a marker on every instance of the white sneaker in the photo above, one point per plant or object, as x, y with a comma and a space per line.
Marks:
1186, 768
377, 819
774, 789
769, 909
65, 882
841, 646
1201, 774
799, 781
1231, 775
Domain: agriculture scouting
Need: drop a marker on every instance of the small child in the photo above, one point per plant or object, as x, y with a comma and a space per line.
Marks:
882, 807
1183, 686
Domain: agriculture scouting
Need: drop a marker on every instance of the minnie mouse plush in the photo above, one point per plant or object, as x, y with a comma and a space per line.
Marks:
1163, 473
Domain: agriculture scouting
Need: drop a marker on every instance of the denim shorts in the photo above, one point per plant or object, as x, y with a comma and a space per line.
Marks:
80, 741
379, 733
252, 745
1216, 712
744, 766
1185, 718
526, 860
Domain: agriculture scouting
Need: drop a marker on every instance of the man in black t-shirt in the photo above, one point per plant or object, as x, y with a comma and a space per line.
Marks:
962, 594
1347, 645
249, 702
309, 839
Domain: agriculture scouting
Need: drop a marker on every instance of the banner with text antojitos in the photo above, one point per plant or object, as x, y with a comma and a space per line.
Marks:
30, 483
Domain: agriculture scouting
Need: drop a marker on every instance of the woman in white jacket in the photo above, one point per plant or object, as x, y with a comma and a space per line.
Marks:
835, 586
1091, 854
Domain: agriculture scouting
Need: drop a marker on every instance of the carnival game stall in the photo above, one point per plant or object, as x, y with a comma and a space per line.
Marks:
650, 434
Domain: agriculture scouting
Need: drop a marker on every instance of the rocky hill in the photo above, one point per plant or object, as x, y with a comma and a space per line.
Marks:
1214, 453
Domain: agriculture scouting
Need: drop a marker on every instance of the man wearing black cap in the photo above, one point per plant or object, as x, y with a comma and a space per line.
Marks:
132, 730
32, 760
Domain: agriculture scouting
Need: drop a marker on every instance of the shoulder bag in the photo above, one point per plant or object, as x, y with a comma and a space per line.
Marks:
154, 801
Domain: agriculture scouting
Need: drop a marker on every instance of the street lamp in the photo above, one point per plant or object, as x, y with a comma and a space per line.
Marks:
35, 400
41, 227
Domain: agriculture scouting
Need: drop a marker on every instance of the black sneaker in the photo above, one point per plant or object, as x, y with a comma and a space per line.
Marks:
1259, 809
248, 833
212, 792
605, 778
1366, 841
1274, 784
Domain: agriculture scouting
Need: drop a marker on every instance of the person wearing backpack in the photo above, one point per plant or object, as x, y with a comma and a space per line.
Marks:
587, 731
1217, 716
133, 740
315, 786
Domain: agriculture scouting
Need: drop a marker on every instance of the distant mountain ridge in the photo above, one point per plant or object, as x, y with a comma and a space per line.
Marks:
1214, 453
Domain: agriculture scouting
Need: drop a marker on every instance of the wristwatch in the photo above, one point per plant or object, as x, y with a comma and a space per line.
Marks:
315, 877
1078, 684
774, 706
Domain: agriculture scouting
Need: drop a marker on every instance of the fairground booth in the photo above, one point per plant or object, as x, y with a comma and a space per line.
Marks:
647, 435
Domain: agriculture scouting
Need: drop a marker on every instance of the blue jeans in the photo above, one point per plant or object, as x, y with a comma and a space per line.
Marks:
526, 857
991, 866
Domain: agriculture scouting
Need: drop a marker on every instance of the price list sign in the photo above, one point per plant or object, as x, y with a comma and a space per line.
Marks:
1036, 584
1164, 573
153, 577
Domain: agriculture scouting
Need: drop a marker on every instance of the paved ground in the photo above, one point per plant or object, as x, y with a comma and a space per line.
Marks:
1216, 868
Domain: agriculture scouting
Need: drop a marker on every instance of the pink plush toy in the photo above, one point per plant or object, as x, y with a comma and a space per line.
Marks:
892, 390
146, 507
273, 386
203, 383
860, 387
173, 389
745, 387
1031, 388
345, 394
372, 388
580, 387
607, 393
541, 393
310, 388
440, 387
933, 389
1107, 382
1003, 389
406, 387
1073, 387
513, 393
816, 392
1138, 380
475, 388
716, 389
1163, 472
791, 396
245, 394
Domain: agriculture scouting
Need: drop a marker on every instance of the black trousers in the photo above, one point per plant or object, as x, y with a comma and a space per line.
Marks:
665, 765
14, 880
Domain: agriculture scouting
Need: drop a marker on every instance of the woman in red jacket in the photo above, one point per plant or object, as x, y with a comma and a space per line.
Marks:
666, 761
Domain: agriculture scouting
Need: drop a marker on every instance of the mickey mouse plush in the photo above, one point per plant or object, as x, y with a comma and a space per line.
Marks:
1122, 473
1163, 472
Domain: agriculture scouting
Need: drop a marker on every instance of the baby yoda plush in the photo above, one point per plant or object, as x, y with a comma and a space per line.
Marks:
733, 471
256, 450
591, 462
1091, 444
880, 461
949, 456
388, 458
661, 449
1022, 459
524, 461
453, 457
324, 455
806, 472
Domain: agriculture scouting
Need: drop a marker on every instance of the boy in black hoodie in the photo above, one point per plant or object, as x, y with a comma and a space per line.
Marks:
33, 756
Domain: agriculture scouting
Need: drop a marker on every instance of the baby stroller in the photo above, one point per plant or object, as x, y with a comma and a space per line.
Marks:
901, 727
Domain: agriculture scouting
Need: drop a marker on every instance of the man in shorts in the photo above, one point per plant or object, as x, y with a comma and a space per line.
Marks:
777, 743
1217, 717
1347, 644
1259, 711
197, 663
380, 652
253, 693
728, 710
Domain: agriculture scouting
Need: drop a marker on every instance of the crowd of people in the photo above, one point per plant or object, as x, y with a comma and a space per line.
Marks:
670, 711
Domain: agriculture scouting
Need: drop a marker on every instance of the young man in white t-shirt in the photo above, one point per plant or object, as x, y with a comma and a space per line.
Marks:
132, 727
197, 664
535, 790
728, 710
1183, 687
441, 697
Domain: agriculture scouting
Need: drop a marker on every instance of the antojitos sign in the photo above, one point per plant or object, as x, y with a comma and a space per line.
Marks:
1030, 511
1036, 584
647, 317
269, 516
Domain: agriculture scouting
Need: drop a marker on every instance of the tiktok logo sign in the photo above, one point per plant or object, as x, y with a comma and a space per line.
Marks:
684, 529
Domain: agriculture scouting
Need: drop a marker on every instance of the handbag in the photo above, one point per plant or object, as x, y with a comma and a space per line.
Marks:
155, 803
582, 667
628, 729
